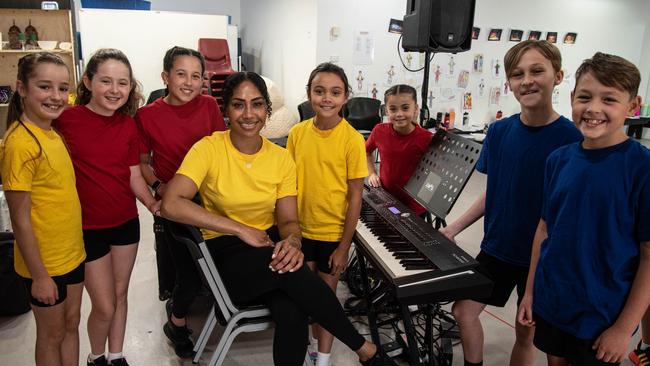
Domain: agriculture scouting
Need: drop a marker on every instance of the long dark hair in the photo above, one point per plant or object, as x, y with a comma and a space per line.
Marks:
26, 68
100, 56
237, 78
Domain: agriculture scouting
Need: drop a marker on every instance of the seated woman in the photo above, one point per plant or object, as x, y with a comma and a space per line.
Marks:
248, 186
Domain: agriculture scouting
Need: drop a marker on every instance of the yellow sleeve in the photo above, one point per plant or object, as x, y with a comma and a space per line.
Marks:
289, 185
19, 163
291, 143
197, 162
356, 158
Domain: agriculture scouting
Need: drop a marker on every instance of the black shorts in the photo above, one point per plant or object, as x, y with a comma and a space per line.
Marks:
556, 342
320, 252
71, 278
97, 242
505, 276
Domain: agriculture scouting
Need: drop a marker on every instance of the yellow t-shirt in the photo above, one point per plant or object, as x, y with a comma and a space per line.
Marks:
241, 187
55, 209
325, 161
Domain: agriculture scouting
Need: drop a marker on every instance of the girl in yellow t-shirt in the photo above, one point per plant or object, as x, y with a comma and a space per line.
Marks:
39, 184
331, 164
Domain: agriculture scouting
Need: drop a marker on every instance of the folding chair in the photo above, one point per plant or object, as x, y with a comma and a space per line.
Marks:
235, 319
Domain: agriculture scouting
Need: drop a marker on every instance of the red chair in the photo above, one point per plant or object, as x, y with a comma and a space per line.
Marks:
217, 66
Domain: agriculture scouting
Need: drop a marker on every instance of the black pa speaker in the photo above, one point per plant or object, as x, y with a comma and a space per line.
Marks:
438, 25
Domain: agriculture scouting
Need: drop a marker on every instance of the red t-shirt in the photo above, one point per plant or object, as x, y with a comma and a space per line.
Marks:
169, 131
400, 156
102, 150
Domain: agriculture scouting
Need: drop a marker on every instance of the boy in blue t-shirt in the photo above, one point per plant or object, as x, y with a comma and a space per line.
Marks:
513, 157
589, 281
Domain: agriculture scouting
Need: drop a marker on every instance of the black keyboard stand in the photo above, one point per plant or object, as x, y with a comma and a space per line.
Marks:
431, 348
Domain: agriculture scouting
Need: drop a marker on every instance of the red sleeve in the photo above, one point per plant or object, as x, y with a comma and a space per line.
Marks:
371, 143
144, 142
134, 144
217, 122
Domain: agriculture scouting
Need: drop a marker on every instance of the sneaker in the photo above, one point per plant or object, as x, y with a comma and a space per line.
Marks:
101, 361
312, 353
640, 357
119, 362
180, 338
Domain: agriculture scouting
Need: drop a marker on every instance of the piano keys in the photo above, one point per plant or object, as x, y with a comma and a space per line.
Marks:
420, 264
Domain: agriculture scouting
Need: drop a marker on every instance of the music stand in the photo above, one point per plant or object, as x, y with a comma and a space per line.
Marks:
443, 173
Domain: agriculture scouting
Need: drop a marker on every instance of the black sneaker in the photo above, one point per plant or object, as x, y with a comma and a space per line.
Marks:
180, 338
119, 362
101, 361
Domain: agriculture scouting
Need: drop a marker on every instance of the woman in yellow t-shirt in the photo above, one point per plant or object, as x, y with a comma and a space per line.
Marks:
39, 183
248, 188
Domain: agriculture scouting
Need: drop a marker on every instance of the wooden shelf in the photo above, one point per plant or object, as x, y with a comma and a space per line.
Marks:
34, 51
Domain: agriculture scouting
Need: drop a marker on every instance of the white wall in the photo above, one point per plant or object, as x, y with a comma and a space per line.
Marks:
611, 26
145, 48
279, 42
220, 7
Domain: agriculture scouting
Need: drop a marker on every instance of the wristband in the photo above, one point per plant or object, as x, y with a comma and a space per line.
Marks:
155, 185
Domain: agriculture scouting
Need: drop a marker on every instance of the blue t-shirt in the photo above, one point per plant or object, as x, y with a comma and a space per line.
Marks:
597, 211
513, 158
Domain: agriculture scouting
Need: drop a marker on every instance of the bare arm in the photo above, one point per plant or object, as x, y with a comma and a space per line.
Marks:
475, 212
287, 256
612, 344
373, 178
177, 205
339, 259
141, 190
43, 287
149, 175
525, 313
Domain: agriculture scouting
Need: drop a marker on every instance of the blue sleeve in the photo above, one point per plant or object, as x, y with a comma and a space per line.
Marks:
643, 225
482, 163
546, 190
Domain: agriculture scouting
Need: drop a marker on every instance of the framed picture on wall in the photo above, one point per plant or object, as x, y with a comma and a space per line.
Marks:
515, 35
551, 37
495, 34
534, 35
395, 26
475, 32
570, 38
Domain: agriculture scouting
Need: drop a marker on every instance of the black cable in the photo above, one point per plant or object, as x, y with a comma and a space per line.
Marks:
399, 53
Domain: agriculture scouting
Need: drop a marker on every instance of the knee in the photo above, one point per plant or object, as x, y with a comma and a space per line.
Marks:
52, 337
462, 314
103, 310
72, 322
524, 336
121, 295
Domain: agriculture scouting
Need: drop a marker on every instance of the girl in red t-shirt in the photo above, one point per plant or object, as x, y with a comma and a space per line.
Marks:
103, 141
401, 144
169, 127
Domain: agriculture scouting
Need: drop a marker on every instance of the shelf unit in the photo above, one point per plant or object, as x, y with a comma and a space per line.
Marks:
51, 25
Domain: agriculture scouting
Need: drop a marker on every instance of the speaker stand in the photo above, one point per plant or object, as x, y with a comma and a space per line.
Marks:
425, 118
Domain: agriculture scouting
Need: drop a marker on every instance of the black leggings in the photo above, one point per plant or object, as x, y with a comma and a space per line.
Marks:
180, 264
291, 297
